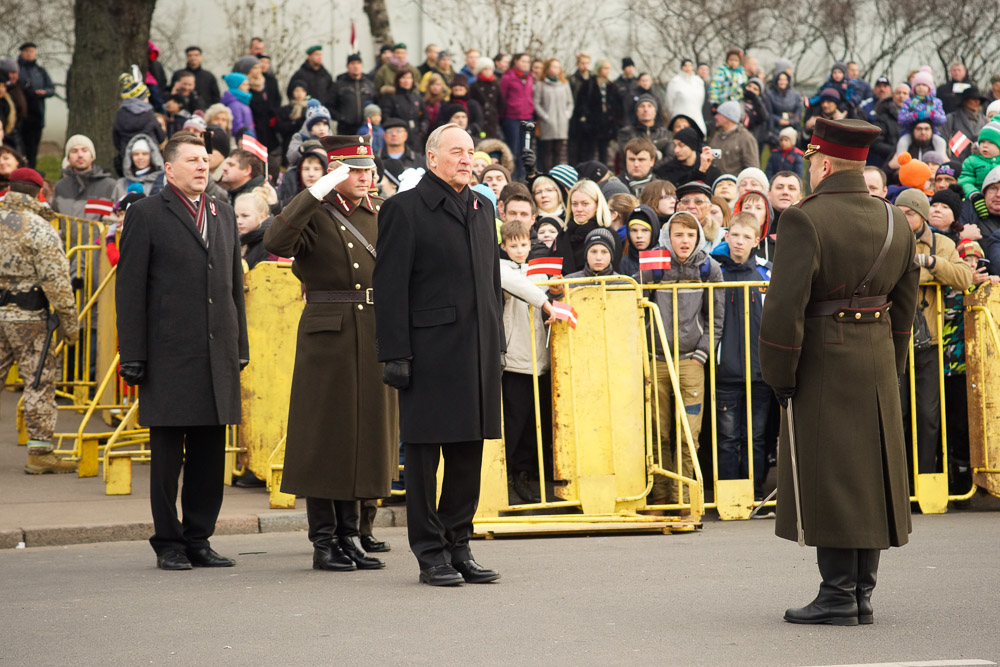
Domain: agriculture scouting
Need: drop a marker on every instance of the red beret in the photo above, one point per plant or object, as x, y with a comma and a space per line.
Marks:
27, 175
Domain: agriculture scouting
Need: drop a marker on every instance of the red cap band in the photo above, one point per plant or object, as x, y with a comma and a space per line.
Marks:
839, 150
351, 151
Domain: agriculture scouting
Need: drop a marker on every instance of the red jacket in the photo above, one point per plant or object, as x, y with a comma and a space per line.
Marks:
517, 94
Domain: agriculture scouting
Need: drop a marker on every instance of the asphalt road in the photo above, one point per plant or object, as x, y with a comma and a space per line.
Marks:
711, 598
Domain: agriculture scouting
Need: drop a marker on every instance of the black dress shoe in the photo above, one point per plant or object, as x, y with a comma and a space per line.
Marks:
522, 487
373, 546
173, 560
352, 547
206, 557
474, 573
441, 575
327, 555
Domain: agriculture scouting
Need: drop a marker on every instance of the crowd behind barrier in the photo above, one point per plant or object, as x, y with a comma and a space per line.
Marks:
698, 177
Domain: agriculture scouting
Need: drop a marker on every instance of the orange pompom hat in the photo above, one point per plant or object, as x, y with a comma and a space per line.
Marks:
913, 173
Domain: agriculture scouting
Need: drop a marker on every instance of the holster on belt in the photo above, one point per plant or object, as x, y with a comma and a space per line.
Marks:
33, 299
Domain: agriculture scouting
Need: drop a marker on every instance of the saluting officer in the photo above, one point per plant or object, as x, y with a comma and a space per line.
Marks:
33, 274
341, 444
834, 340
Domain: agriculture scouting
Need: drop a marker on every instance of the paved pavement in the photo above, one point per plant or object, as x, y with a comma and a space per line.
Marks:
709, 598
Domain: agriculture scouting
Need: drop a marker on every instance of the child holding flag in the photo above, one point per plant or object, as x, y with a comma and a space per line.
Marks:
738, 259
517, 278
689, 262
643, 234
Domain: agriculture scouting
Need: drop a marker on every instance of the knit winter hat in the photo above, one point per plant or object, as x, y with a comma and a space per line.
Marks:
484, 63
933, 157
925, 77
8, 65
234, 80
757, 175
782, 65
245, 64
564, 175
495, 167
141, 145
195, 123
487, 192
132, 87
613, 186
915, 199
731, 110
831, 94
790, 133
968, 247
991, 132
460, 80
689, 137
992, 178
952, 198
592, 170
724, 177
913, 173
756, 81
317, 114
601, 236
841, 65
993, 108
372, 110
80, 140
548, 220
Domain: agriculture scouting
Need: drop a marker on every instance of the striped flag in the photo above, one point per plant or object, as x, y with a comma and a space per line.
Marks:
654, 259
253, 146
564, 311
545, 266
959, 143
99, 207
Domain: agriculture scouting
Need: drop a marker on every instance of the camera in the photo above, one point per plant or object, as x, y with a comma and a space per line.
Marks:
528, 128
716, 153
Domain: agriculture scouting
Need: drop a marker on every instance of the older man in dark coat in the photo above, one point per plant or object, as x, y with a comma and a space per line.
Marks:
438, 318
183, 340
829, 338
342, 436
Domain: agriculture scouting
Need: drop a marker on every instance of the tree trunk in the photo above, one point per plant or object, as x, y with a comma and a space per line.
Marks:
111, 35
378, 22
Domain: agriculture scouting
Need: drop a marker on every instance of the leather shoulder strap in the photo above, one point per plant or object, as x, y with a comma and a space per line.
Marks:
858, 291
342, 219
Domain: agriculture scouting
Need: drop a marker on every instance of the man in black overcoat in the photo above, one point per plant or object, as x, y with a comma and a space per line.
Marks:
439, 330
183, 340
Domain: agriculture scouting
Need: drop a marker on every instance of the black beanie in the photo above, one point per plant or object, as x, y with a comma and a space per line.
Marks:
689, 137
603, 236
950, 197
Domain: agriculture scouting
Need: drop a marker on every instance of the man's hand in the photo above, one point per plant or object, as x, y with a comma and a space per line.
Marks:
331, 179
705, 159
396, 373
529, 160
971, 232
784, 394
133, 372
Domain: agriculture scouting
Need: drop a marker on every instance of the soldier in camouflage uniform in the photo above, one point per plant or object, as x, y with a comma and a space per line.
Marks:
33, 273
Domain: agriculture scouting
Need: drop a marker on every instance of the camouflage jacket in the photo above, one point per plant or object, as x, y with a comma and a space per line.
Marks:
32, 255
23, 202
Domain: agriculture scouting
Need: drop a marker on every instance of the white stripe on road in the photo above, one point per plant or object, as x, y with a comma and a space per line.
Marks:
925, 663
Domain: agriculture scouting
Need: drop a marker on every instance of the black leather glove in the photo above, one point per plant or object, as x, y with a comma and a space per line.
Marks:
133, 372
784, 394
397, 373
243, 364
530, 161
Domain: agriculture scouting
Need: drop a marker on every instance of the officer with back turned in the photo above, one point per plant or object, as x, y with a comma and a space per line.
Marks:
34, 273
834, 340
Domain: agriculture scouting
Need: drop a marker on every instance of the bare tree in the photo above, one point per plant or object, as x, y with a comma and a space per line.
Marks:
110, 35
49, 24
378, 22
280, 23
171, 35
967, 31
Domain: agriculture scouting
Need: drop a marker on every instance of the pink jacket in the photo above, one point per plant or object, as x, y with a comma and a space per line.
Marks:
518, 95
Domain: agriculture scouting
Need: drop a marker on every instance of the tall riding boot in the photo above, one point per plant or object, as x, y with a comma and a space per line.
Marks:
867, 572
836, 603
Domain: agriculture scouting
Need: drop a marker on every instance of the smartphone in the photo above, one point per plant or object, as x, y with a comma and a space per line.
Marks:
983, 264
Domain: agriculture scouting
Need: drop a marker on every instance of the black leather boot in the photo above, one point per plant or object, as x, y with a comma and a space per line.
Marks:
352, 548
836, 603
327, 555
867, 572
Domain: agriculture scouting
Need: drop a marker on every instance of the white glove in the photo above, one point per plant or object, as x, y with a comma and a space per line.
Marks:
329, 181
409, 179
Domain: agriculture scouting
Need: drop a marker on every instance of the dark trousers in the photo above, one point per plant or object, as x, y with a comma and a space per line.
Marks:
520, 437
550, 153
957, 412
331, 518
513, 135
731, 413
366, 521
439, 532
928, 401
201, 451
31, 135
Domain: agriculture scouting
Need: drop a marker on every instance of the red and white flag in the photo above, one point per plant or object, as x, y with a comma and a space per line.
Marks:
99, 207
545, 266
354, 44
654, 259
959, 143
253, 146
564, 311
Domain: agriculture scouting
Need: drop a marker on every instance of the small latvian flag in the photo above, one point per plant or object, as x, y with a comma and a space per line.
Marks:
253, 146
545, 266
959, 143
654, 259
564, 311
99, 207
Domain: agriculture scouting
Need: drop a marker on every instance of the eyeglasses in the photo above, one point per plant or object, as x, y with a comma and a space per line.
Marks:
697, 201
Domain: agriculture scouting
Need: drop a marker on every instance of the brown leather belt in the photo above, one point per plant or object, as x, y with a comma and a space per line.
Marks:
342, 296
864, 309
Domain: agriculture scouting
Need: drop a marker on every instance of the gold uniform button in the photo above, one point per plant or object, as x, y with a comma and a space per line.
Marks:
356, 265
360, 307
841, 314
857, 316
357, 287
877, 315
343, 229
350, 245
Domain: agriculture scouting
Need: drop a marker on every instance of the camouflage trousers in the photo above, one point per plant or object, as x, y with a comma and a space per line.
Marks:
22, 342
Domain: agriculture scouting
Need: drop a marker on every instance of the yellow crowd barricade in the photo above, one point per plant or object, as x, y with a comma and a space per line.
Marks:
982, 357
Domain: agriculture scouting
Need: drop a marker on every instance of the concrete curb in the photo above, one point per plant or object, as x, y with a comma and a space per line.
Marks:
237, 524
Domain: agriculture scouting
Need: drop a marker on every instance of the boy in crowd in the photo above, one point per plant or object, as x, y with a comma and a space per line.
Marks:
740, 265
518, 394
725, 187
690, 263
643, 234
976, 167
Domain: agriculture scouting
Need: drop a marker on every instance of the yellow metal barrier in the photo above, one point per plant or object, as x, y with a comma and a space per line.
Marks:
983, 381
